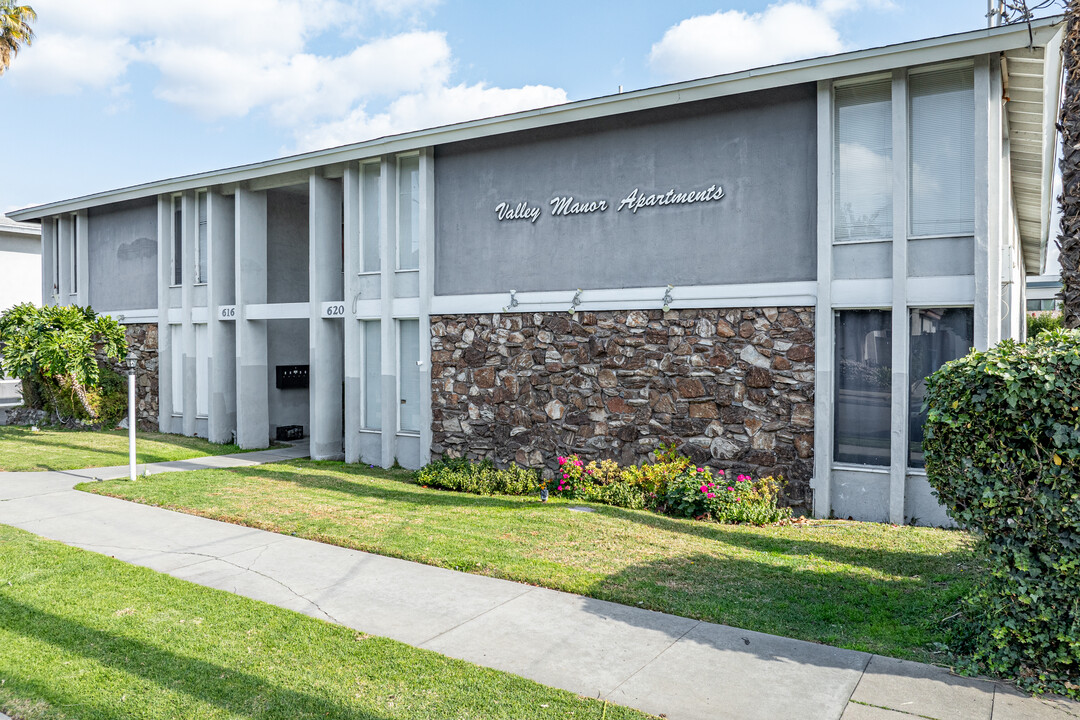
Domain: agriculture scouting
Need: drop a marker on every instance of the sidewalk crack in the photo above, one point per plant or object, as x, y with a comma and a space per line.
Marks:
651, 660
436, 636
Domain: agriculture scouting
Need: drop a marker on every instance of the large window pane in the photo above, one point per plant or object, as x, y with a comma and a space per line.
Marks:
863, 157
202, 370
938, 335
370, 256
74, 255
863, 386
942, 152
372, 389
178, 241
177, 335
200, 276
408, 228
409, 377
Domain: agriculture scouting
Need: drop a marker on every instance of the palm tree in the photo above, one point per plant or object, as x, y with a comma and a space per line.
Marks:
1069, 239
15, 30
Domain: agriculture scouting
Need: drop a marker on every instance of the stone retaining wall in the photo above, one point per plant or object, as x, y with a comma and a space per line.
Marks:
735, 387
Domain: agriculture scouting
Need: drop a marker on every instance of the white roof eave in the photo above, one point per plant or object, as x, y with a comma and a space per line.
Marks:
931, 50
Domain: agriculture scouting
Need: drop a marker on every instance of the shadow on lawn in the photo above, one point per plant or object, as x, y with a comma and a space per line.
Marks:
350, 480
235, 692
897, 617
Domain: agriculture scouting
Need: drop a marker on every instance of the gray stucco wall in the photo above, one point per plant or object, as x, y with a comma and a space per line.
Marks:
287, 247
122, 254
760, 147
287, 344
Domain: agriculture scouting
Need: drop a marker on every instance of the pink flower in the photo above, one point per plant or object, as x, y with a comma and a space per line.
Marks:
704, 489
701, 469
561, 460
589, 471
738, 499
565, 476
731, 488
710, 485
719, 472
578, 463
712, 495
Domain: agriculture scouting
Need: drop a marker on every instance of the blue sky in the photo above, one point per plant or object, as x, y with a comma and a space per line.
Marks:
119, 92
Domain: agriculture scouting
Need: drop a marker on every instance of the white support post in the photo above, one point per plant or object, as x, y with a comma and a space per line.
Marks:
353, 342
898, 449
388, 327
427, 292
132, 459
823, 313
190, 241
165, 363
82, 259
325, 335
987, 326
221, 291
48, 260
252, 377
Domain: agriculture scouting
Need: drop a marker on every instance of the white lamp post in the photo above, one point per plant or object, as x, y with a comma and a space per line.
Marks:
132, 361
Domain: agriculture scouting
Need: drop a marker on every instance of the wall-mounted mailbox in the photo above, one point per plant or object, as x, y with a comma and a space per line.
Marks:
290, 377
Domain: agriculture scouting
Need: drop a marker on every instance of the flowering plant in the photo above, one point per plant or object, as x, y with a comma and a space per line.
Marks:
697, 493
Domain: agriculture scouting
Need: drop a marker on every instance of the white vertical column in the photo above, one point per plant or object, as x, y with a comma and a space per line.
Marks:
252, 388
999, 265
64, 250
48, 260
388, 237
325, 335
165, 363
985, 316
427, 291
898, 450
190, 241
82, 258
823, 315
353, 343
221, 290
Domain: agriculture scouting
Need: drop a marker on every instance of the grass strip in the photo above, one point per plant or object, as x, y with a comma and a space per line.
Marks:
22, 450
84, 636
864, 586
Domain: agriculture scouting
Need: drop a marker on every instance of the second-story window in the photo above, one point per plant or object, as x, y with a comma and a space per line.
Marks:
178, 240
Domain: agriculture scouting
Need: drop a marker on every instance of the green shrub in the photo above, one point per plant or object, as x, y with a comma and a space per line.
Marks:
697, 493
1002, 448
1039, 321
478, 478
619, 493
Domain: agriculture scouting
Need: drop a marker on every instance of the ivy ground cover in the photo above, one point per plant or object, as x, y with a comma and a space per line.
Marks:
864, 586
22, 449
84, 636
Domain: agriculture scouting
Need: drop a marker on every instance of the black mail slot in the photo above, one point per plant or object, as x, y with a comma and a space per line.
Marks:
292, 376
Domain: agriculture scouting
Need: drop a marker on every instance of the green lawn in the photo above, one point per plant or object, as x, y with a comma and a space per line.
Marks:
84, 636
864, 586
56, 449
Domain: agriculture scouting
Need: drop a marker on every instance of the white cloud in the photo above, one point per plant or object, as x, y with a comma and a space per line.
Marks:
734, 40
431, 108
233, 57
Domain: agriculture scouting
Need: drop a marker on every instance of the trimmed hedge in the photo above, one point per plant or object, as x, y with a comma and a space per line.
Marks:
1002, 450
480, 478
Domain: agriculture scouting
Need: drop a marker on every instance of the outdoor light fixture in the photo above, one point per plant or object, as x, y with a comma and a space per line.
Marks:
132, 363
667, 297
513, 301
575, 302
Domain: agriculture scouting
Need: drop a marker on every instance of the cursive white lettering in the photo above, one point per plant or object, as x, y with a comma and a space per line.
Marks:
568, 206
521, 211
637, 199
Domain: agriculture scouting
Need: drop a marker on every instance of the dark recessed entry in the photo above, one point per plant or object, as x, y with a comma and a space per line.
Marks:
290, 377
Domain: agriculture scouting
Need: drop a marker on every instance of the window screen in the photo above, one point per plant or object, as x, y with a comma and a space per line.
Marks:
201, 274
176, 331
202, 370
370, 237
178, 241
372, 375
937, 335
863, 156
409, 377
862, 409
408, 234
942, 168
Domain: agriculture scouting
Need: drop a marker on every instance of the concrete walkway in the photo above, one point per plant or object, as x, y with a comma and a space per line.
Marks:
685, 669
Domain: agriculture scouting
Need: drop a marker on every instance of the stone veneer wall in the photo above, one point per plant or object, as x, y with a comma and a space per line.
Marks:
736, 387
143, 339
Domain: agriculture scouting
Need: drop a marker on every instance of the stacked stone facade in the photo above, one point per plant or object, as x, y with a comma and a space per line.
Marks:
734, 387
143, 339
